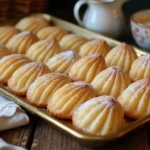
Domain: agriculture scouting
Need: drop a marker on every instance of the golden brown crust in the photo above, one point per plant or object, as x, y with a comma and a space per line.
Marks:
66, 99
43, 88
6, 33
86, 68
72, 42
99, 116
4, 51
9, 64
140, 68
136, 99
130, 115
43, 50
122, 55
32, 24
94, 47
24, 76
21, 42
52, 32
111, 81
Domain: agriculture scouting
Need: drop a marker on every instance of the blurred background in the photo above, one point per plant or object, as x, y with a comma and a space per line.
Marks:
59, 8
15, 8
64, 9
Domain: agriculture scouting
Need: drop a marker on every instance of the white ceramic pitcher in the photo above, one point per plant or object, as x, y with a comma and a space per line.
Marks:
103, 16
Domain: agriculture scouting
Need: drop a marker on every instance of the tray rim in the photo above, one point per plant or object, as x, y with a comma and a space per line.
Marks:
76, 133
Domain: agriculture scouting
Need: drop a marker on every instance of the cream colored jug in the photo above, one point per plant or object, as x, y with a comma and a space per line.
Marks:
103, 16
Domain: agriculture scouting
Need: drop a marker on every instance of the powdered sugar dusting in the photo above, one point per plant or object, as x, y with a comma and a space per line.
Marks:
145, 57
131, 89
69, 54
30, 88
32, 65
143, 82
32, 85
110, 70
53, 59
95, 55
5, 58
26, 67
82, 84
23, 33
136, 85
108, 101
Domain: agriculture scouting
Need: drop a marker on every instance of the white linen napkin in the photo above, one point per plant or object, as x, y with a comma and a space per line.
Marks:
11, 115
6, 146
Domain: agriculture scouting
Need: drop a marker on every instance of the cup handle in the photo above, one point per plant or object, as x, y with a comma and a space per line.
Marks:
77, 9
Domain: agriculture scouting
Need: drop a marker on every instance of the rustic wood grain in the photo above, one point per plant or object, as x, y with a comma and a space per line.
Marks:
21, 136
48, 138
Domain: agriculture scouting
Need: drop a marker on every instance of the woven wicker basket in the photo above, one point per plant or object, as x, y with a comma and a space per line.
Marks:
15, 8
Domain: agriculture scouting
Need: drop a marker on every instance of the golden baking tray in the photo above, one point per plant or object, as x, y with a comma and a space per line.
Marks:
64, 125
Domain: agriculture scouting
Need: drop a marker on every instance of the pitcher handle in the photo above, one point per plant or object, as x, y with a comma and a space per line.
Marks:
76, 11
78, 5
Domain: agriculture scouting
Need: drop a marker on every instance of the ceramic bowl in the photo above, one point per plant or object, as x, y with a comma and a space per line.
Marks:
140, 28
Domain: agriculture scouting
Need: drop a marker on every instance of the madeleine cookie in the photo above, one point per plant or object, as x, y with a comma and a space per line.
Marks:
25, 75
72, 41
21, 42
140, 68
42, 50
135, 100
94, 47
32, 24
51, 32
6, 33
86, 68
66, 99
4, 51
62, 62
99, 116
43, 88
111, 81
122, 55
9, 64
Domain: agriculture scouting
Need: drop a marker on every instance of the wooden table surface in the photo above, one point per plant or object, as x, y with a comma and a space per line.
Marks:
40, 135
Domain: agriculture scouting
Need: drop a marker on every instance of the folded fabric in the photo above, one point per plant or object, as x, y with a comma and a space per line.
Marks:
6, 146
11, 115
